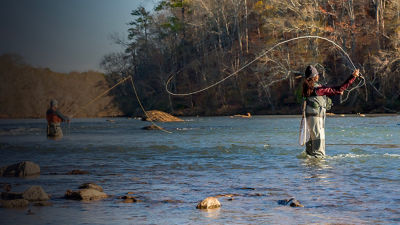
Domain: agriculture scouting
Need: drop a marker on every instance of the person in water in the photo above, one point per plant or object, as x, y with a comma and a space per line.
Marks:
317, 103
54, 118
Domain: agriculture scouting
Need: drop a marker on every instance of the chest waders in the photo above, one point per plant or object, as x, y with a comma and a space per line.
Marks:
54, 130
316, 107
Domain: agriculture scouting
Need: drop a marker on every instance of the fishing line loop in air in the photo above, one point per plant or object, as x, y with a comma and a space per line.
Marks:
128, 78
343, 97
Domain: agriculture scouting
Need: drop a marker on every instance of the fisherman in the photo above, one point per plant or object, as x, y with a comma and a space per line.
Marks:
317, 103
54, 118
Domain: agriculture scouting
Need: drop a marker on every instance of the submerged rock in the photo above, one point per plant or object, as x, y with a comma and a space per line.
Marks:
91, 186
22, 169
291, 202
35, 193
226, 195
158, 116
77, 172
295, 203
209, 203
151, 127
130, 200
16, 203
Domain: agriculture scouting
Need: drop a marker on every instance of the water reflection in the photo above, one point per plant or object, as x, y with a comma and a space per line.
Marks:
211, 213
316, 168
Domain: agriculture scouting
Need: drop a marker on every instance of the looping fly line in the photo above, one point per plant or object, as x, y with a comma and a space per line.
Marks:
343, 98
128, 78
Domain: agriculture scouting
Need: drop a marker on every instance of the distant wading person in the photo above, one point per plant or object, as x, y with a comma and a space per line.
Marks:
54, 118
316, 105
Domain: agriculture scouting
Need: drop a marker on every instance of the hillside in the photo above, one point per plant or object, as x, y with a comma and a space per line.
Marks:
25, 91
195, 44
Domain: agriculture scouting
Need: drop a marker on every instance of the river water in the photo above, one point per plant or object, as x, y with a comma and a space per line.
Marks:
258, 159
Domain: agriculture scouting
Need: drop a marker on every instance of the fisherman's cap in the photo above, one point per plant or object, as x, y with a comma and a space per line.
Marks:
311, 71
53, 102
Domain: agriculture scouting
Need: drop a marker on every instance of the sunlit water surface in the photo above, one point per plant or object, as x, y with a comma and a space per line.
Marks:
258, 159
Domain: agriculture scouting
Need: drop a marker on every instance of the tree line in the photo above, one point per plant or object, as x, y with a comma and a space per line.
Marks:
203, 41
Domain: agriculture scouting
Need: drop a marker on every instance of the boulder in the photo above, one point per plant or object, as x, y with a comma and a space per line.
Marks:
16, 203
158, 116
209, 203
91, 186
87, 192
35, 193
22, 169
85, 195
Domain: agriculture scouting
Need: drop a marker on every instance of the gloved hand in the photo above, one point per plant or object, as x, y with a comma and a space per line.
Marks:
356, 73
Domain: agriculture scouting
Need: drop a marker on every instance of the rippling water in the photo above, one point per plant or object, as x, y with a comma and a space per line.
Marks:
256, 158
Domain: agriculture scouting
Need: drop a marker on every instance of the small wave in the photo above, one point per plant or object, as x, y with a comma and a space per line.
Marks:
187, 128
302, 155
349, 155
391, 155
352, 155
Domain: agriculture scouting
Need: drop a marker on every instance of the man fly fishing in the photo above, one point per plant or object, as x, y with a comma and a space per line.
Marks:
316, 104
54, 118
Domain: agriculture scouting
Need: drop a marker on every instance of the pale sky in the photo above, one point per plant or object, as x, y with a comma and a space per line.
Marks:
64, 36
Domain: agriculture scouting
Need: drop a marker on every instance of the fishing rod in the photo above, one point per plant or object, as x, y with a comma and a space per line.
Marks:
128, 78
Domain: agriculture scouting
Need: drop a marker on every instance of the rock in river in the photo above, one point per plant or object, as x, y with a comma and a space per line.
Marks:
22, 169
209, 203
85, 195
291, 202
35, 193
158, 116
87, 192
91, 186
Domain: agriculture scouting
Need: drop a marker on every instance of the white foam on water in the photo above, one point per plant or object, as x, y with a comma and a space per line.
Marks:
352, 155
391, 155
349, 155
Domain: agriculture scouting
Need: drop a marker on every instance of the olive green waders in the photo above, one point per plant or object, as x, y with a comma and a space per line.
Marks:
315, 114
